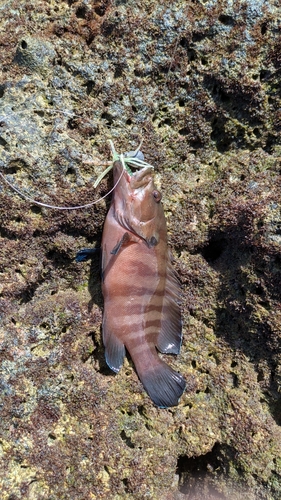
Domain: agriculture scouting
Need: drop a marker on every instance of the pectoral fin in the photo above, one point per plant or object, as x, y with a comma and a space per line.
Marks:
86, 254
125, 239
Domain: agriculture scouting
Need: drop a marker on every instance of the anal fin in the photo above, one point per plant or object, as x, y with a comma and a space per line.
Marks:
170, 335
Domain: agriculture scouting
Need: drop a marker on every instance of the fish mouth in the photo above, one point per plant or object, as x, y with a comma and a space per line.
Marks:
137, 179
141, 178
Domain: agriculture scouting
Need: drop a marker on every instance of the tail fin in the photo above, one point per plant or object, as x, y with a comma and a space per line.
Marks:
163, 384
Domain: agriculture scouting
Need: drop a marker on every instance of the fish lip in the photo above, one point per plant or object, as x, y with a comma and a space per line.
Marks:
136, 179
126, 175
118, 171
139, 174
141, 177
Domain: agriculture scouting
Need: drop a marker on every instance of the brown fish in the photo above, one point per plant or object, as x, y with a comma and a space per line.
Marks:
141, 292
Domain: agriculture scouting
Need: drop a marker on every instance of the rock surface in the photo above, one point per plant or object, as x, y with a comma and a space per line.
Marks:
199, 82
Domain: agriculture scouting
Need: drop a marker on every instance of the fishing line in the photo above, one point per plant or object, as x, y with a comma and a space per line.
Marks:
131, 159
59, 207
134, 158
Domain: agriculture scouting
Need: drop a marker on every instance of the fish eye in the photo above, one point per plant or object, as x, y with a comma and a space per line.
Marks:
157, 195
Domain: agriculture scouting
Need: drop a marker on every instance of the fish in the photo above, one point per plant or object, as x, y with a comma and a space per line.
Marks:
141, 291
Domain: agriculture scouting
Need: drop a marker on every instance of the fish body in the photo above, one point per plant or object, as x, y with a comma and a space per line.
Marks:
141, 292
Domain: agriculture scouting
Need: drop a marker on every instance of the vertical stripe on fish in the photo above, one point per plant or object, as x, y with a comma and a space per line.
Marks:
141, 292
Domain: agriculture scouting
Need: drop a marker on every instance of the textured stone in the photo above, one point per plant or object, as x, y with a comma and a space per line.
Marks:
199, 82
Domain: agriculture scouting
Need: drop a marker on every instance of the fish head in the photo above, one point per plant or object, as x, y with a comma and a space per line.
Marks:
137, 203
